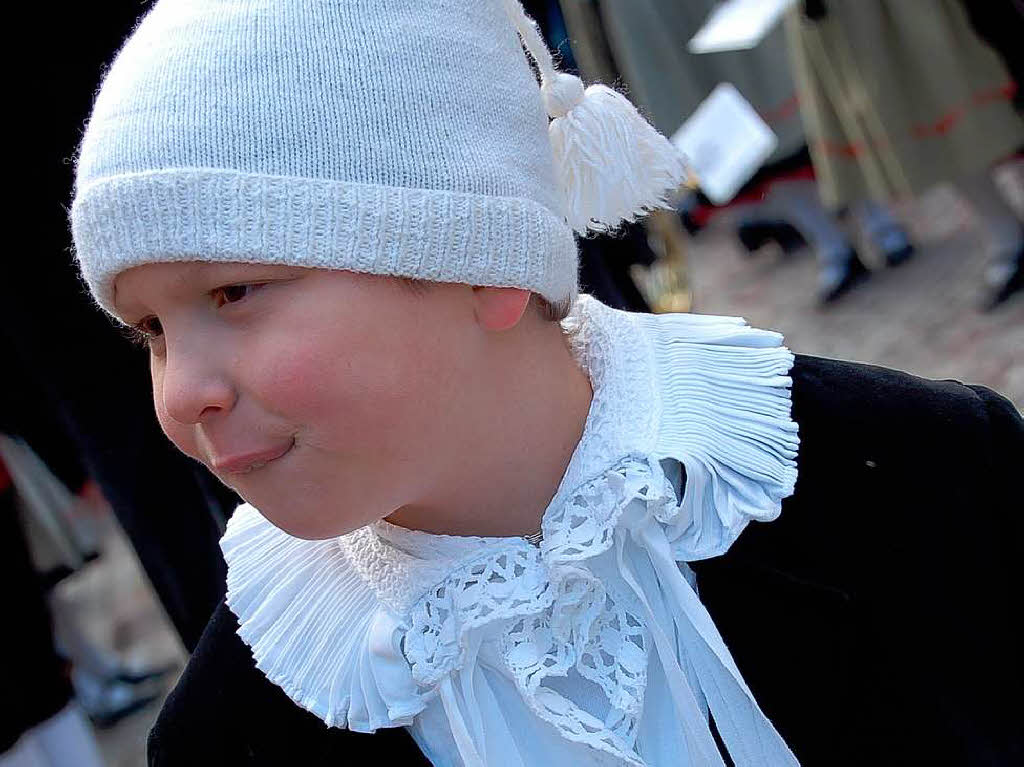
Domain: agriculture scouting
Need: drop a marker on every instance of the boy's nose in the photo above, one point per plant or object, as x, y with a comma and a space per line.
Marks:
195, 389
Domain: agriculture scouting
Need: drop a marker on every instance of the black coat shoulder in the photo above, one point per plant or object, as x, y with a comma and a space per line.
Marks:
851, 398
874, 435
224, 711
874, 612
895, 470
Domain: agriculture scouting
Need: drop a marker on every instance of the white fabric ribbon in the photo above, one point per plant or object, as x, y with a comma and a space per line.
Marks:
463, 738
751, 739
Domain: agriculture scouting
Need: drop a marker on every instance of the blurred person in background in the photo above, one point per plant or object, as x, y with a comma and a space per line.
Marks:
52, 533
62, 530
643, 45
40, 723
899, 95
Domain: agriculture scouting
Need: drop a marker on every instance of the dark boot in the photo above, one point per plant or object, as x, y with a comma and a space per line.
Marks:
853, 273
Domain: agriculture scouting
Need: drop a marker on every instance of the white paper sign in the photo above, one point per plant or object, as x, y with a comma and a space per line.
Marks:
738, 24
725, 142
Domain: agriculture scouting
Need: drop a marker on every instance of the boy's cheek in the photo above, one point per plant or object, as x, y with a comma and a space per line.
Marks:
307, 377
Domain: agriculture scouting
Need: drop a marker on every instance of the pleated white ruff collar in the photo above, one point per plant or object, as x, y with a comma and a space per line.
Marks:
592, 645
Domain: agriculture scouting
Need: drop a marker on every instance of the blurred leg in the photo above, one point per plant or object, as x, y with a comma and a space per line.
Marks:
1004, 234
884, 231
839, 267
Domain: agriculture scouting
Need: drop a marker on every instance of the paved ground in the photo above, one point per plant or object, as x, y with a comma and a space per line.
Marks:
920, 317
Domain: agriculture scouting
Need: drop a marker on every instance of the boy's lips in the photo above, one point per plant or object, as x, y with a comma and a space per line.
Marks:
242, 463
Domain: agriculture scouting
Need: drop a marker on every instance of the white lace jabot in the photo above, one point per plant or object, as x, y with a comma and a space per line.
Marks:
591, 648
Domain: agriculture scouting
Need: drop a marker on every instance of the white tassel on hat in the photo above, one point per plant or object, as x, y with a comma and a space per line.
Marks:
613, 166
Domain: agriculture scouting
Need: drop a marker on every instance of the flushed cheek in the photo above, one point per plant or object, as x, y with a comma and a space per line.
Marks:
361, 399
289, 377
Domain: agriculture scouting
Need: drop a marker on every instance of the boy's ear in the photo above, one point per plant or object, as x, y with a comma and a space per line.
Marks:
499, 308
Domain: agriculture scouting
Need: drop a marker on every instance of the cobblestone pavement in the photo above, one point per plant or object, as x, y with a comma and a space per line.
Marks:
920, 317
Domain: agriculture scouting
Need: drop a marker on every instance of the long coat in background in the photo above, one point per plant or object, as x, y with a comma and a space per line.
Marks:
647, 39
898, 95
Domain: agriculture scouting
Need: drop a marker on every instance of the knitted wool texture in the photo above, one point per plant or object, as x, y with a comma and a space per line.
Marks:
401, 137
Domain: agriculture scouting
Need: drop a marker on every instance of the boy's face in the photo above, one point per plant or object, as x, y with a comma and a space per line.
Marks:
323, 397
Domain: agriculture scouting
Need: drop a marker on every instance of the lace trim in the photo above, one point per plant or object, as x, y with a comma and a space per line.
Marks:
501, 585
583, 526
387, 568
556, 613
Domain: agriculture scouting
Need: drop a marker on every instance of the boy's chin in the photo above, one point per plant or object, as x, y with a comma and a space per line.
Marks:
310, 527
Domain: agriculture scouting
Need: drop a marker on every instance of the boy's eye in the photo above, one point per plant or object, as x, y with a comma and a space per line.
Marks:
150, 327
145, 330
232, 294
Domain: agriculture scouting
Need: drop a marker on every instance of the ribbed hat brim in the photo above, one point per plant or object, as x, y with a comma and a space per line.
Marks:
227, 216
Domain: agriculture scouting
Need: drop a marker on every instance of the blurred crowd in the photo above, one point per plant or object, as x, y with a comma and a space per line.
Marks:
871, 104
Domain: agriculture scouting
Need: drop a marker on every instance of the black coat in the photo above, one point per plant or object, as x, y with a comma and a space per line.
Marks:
872, 619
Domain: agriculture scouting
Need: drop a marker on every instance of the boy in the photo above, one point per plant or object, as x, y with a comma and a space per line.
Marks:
345, 231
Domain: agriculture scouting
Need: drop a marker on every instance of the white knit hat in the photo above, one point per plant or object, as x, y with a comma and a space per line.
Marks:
402, 137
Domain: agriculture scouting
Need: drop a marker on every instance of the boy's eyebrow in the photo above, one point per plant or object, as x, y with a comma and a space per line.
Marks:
230, 270
113, 300
179, 281
214, 273
184, 278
